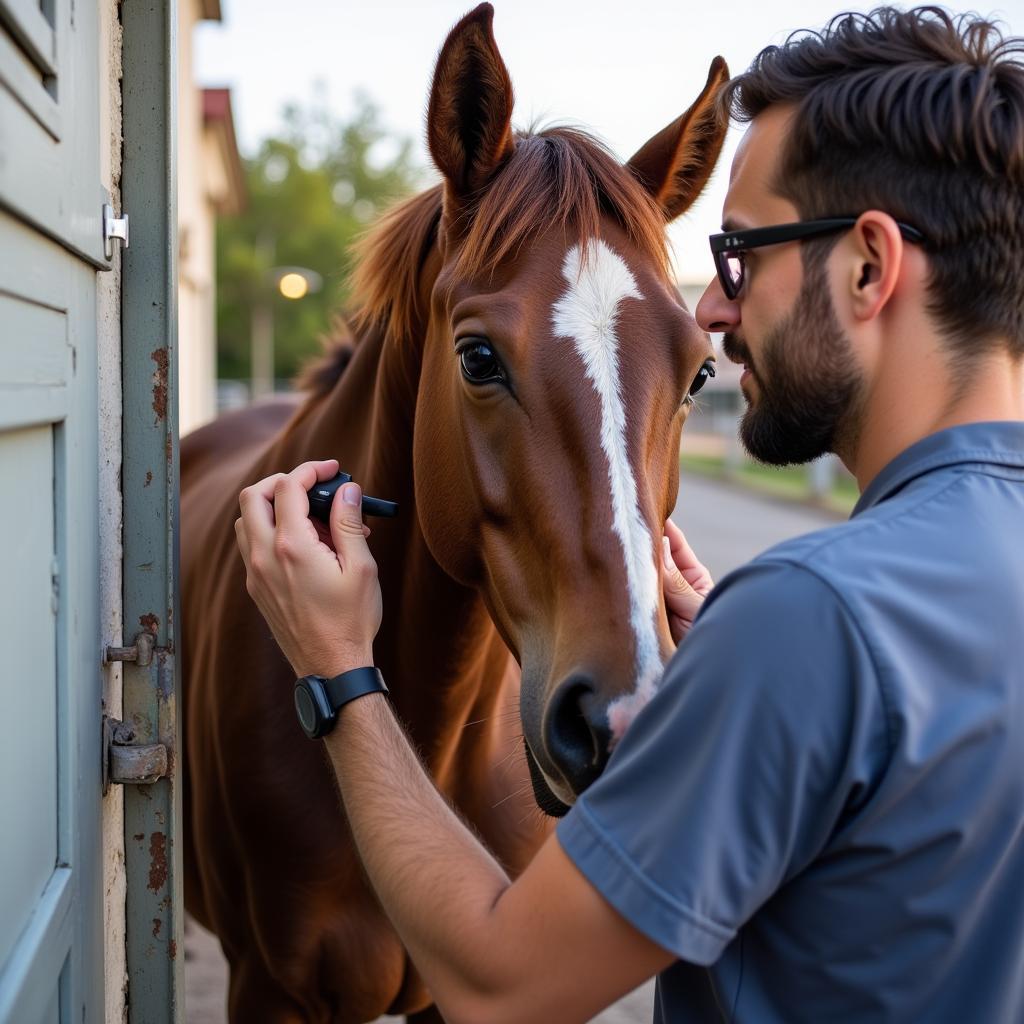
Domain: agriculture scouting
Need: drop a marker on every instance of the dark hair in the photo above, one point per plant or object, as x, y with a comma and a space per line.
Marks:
920, 114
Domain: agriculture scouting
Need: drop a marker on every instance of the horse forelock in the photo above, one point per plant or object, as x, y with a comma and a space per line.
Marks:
556, 178
564, 179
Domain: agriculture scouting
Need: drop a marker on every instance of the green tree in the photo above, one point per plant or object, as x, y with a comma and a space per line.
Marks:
311, 191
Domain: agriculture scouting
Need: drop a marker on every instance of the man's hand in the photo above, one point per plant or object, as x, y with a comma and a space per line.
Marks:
686, 581
320, 598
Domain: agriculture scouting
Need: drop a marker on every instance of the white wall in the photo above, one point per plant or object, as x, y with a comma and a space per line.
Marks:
196, 227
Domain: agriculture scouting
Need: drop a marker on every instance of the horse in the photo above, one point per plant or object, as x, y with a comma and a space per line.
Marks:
518, 371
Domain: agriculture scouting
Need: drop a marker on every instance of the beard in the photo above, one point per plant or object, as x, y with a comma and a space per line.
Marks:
809, 386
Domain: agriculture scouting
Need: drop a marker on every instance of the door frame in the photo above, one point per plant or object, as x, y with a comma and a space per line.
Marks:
152, 813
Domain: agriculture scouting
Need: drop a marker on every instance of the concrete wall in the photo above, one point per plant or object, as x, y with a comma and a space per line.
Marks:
108, 304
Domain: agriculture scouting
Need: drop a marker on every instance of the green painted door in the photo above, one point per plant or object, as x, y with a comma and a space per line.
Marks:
51, 247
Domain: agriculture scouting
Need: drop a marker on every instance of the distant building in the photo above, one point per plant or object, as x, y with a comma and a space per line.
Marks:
211, 182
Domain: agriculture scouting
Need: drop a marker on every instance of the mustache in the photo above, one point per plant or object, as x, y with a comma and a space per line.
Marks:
735, 350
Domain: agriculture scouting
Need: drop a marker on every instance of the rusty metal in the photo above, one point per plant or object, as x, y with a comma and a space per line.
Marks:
140, 652
149, 361
128, 762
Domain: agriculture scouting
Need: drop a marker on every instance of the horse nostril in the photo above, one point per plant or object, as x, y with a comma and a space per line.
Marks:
576, 732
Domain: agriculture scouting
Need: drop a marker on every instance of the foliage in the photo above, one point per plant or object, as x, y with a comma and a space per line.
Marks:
311, 191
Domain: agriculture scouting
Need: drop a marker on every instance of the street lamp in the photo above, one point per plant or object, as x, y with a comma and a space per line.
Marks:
292, 283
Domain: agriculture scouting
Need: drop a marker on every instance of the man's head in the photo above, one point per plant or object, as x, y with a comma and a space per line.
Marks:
899, 121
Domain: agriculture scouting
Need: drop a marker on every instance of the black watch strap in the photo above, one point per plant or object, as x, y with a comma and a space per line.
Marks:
357, 682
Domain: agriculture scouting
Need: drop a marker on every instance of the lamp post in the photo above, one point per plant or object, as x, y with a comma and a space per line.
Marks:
292, 283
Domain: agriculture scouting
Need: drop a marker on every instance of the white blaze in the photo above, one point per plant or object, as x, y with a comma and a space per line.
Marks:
587, 314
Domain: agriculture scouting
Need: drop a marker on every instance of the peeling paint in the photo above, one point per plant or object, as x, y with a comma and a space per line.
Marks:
149, 478
159, 356
157, 925
157, 861
139, 836
150, 623
172, 949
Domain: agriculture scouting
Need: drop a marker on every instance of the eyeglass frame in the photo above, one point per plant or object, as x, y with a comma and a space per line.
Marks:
731, 243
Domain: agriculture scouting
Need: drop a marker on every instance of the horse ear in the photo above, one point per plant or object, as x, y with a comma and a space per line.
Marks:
469, 120
674, 166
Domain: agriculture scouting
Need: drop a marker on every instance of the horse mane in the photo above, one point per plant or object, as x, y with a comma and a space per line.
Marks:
558, 177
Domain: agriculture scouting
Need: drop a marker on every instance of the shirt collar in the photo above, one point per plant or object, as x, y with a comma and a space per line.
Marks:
998, 443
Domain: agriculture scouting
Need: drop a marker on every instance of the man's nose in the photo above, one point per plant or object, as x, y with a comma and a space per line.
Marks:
715, 313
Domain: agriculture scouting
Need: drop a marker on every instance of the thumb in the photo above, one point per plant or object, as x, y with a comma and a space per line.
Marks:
675, 583
682, 602
347, 524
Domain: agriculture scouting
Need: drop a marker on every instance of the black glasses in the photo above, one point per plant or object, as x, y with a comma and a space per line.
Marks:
729, 247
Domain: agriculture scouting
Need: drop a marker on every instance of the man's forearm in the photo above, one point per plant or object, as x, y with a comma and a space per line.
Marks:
435, 880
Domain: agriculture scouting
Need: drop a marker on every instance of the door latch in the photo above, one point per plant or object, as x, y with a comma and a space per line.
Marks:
124, 760
140, 652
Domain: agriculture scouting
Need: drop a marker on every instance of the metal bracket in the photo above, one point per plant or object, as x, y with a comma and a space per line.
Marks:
113, 227
127, 762
140, 652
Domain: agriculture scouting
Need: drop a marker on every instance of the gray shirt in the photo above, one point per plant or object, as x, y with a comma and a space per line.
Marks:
821, 812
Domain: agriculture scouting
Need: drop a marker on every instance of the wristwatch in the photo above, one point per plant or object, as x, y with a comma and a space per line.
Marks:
317, 699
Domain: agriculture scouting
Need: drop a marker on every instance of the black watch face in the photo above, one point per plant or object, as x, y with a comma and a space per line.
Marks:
305, 708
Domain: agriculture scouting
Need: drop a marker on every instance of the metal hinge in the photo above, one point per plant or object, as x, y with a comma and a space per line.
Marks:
113, 227
124, 760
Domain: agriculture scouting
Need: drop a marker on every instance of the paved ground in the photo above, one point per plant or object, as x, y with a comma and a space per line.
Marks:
206, 979
726, 526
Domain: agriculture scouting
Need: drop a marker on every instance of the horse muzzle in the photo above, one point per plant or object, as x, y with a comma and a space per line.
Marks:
568, 742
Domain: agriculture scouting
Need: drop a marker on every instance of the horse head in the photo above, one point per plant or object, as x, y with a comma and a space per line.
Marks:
558, 368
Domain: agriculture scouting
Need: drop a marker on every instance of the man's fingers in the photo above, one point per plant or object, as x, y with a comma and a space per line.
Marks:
291, 505
675, 582
682, 553
686, 560
257, 505
242, 539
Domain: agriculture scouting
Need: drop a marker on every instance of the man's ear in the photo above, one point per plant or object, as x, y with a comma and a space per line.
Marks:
674, 166
875, 258
469, 120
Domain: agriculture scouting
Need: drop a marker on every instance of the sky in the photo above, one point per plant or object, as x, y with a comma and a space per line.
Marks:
622, 70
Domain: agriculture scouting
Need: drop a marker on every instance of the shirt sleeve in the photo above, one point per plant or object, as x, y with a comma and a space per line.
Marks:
734, 776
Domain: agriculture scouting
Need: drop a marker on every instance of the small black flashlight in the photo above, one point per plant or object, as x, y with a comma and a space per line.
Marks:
321, 496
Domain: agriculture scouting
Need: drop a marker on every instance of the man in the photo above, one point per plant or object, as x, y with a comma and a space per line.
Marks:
820, 816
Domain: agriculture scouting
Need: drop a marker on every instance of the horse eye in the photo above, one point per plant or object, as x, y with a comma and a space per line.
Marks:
479, 363
707, 371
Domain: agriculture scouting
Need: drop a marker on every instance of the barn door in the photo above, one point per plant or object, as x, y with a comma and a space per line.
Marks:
51, 246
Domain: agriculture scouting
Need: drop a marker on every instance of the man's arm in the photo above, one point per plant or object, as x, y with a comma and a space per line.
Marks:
545, 947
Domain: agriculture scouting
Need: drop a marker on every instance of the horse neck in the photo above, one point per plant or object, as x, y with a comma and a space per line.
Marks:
437, 646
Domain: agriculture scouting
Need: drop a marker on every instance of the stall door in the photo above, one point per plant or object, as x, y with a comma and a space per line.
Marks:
51, 246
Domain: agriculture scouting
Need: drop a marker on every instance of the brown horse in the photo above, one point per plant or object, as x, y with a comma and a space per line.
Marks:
521, 371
